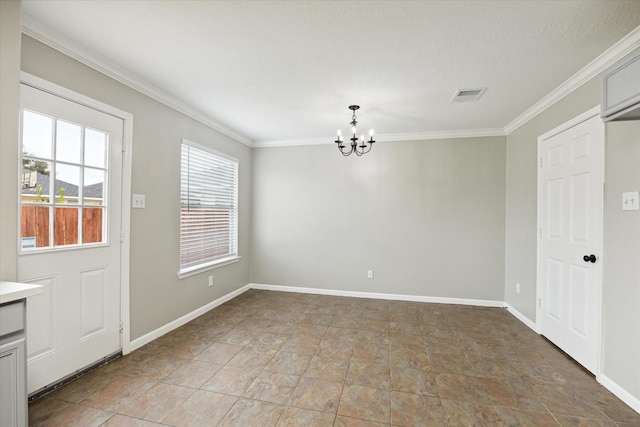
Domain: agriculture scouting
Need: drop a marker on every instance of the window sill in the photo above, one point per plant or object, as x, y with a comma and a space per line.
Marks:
208, 266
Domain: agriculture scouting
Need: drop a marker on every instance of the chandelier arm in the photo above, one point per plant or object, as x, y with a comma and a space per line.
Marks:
370, 143
345, 153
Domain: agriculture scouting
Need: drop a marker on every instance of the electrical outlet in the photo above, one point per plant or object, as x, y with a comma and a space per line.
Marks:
210, 280
369, 274
517, 287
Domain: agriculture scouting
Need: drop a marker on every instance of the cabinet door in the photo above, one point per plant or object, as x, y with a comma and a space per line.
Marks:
621, 89
13, 396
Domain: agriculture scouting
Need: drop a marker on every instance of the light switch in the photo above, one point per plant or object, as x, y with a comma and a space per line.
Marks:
630, 201
138, 201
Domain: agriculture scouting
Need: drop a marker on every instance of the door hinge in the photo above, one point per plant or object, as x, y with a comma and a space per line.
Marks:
121, 236
121, 327
540, 232
540, 161
539, 302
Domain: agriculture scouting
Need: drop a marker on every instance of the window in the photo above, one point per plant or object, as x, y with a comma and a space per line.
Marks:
208, 208
63, 197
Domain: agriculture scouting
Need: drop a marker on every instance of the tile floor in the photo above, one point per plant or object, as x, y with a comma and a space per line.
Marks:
285, 359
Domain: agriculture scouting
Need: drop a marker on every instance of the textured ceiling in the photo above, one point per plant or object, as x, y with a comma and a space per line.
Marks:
287, 70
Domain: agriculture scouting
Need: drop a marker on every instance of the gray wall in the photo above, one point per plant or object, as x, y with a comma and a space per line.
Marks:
621, 257
426, 216
521, 197
10, 32
621, 281
157, 296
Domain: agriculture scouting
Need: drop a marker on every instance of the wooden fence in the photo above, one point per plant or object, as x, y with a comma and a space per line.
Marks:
35, 223
204, 234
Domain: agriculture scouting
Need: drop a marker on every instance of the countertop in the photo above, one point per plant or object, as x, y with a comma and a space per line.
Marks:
13, 291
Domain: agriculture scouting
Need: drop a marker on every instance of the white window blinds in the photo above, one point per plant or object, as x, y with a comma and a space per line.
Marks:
208, 208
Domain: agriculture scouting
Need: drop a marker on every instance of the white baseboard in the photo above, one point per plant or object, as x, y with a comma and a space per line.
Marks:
621, 393
521, 317
147, 338
610, 385
157, 333
397, 297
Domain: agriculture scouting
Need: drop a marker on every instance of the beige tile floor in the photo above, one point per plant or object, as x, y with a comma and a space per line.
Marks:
285, 359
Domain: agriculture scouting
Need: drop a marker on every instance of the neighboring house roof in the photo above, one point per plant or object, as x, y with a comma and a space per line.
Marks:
70, 190
94, 190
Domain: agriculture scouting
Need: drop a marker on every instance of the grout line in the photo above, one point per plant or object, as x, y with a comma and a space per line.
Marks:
354, 334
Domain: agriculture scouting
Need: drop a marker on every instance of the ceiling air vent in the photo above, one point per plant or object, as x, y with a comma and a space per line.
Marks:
468, 95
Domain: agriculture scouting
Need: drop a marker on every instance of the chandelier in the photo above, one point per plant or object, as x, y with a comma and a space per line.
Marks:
364, 147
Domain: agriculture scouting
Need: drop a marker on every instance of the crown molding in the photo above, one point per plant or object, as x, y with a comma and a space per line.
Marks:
616, 52
415, 136
67, 47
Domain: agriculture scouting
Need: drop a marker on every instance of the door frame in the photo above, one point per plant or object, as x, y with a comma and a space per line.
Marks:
589, 114
127, 145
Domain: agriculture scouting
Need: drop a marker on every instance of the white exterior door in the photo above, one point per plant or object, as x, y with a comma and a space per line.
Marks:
570, 217
69, 241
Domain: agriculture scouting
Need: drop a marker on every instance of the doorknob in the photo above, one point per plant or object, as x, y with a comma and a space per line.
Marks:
589, 258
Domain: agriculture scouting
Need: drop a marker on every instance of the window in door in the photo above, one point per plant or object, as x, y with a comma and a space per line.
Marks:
63, 197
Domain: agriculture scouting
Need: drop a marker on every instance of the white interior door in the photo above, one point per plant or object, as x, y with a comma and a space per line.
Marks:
570, 203
69, 241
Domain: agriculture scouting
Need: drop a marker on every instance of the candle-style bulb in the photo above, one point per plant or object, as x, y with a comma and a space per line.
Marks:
362, 138
371, 132
353, 130
339, 132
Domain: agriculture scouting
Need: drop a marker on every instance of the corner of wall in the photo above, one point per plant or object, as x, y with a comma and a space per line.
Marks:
10, 44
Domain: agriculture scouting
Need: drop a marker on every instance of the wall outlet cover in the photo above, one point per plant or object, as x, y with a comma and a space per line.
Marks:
630, 201
138, 201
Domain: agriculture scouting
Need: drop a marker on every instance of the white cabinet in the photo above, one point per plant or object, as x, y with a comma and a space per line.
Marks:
621, 89
13, 373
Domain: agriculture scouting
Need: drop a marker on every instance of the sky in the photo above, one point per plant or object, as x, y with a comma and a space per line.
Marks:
42, 136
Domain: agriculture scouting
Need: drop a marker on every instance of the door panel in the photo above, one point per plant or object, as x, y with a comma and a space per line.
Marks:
42, 312
93, 301
570, 199
555, 212
579, 296
70, 234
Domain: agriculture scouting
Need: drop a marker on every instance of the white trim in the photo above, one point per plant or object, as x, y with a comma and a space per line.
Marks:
396, 297
391, 137
625, 396
157, 333
125, 226
620, 392
71, 49
591, 70
521, 317
200, 268
592, 112
125, 246
209, 150
616, 52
